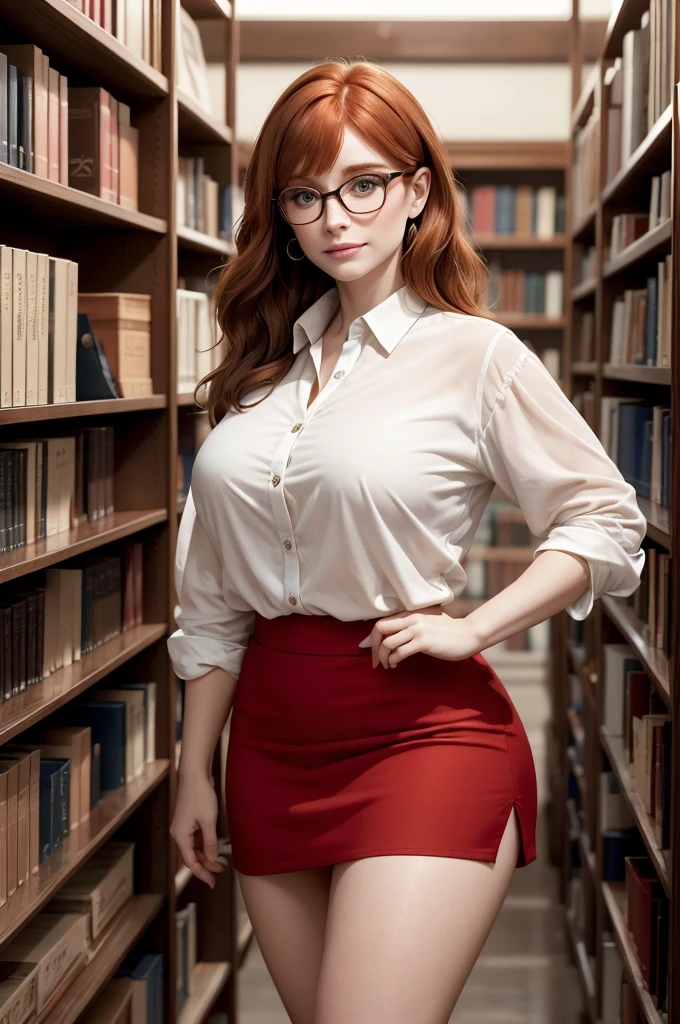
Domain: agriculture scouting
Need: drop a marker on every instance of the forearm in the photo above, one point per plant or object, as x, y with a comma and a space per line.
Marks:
207, 703
553, 580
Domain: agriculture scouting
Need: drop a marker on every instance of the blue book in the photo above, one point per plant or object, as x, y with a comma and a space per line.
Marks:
644, 484
51, 830
148, 969
632, 417
665, 458
651, 323
106, 719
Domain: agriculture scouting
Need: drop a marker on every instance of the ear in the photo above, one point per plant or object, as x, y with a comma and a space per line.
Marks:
421, 183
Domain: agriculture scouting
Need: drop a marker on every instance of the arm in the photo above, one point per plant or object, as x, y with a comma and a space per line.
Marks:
542, 453
207, 650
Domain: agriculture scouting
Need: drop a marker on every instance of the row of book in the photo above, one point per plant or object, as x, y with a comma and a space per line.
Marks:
135, 23
79, 136
203, 204
48, 623
620, 1003
635, 712
198, 350
651, 602
40, 963
49, 485
637, 437
586, 170
524, 291
629, 227
641, 328
509, 210
639, 85
55, 774
185, 925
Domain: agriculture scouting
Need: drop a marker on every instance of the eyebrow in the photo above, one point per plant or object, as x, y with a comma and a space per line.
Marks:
347, 170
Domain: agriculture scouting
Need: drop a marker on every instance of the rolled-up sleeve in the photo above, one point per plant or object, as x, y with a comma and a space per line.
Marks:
210, 634
542, 453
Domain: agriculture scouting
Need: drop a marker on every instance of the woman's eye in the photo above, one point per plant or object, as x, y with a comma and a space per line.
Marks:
364, 185
306, 197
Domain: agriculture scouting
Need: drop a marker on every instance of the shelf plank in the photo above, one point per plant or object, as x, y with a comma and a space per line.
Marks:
584, 290
59, 204
614, 894
115, 806
625, 15
68, 543
583, 369
125, 930
615, 752
74, 42
638, 373
195, 124
41, 699
492, 241
654, 661
196, 241
528, 321
658, 521
212, 9
650, 244
648, 155
585, 102
73, 410
208, 979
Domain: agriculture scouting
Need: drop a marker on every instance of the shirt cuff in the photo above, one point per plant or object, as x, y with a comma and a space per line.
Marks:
193, 656
613, 570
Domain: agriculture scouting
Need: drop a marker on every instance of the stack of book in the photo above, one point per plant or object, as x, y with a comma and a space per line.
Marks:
41, 961
33, 113
197, 197
627, 228
198, 351
103, 146
641, 328
136, 23
636, 435
122, 323
524, 291
585, 181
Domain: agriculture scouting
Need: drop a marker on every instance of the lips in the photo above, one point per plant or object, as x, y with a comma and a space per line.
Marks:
341, 248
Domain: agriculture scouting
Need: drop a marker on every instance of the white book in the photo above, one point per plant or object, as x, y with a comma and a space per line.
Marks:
554, 299
71, 330
654, 202
6, 291
615, 657
614, 810
546, 201
58, 327
665, 197
19, 327
43, 315
31, 328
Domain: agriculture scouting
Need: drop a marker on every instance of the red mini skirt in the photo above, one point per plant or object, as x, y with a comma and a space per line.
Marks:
331, 760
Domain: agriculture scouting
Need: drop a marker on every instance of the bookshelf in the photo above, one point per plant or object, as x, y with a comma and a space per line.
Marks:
147, 251
619, 155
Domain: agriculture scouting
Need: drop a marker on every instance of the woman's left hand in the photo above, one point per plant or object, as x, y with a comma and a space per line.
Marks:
427, 631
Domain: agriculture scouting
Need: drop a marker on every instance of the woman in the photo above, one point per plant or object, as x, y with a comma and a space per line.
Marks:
363, 413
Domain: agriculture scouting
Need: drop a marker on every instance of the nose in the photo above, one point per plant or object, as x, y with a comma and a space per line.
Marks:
335, 213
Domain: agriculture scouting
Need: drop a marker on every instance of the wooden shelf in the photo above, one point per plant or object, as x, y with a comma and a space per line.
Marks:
654, 661
528, 321
650, 244
112, 810
585, 226
614, 894
61, 205
615, 752
648, 157
74, 410
637, 373
625, 16
586, 101
74, 42
41, 699
196, 241
68, 543
483, 241
209, 980
210, 9
581, 369
199, 125
585, 290
125, 930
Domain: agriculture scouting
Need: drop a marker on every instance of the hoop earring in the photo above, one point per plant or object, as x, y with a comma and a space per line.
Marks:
295, 259
410, 237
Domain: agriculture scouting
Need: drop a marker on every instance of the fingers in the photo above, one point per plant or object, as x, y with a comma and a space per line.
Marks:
195, 859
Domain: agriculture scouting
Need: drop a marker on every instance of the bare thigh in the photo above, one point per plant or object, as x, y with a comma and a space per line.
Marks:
404, 932
288, 914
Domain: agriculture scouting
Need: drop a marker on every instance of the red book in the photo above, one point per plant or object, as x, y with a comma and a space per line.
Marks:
88, 140
643, 888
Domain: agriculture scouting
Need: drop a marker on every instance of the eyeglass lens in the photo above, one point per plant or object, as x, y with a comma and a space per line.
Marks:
363, 194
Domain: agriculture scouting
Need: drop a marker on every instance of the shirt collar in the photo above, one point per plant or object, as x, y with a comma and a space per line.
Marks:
388, 321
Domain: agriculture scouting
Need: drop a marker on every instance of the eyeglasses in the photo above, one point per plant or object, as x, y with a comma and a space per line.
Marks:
364, 193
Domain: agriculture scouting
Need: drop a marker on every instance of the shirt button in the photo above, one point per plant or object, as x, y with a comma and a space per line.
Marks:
339, 374
276, 480
287, 545
295, 429
292, 599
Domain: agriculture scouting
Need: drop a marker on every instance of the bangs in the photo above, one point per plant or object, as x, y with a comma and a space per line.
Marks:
314, 137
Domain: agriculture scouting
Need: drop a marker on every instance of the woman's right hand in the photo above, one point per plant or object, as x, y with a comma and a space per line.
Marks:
194, 828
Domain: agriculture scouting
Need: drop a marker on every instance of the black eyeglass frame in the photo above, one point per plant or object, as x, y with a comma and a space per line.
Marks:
387, 178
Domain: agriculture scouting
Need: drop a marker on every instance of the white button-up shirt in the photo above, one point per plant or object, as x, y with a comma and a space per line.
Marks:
366, 503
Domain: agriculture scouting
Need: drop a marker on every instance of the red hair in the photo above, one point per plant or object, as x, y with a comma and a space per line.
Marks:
261, 292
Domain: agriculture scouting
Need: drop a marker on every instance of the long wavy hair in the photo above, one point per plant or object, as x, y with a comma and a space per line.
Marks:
261, 292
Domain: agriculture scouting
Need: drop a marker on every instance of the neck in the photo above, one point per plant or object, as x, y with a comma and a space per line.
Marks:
357, 297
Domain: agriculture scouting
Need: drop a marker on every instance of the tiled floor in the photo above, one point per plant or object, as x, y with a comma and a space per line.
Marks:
523, 975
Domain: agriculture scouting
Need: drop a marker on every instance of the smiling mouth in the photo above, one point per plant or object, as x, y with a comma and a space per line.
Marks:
344, 248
